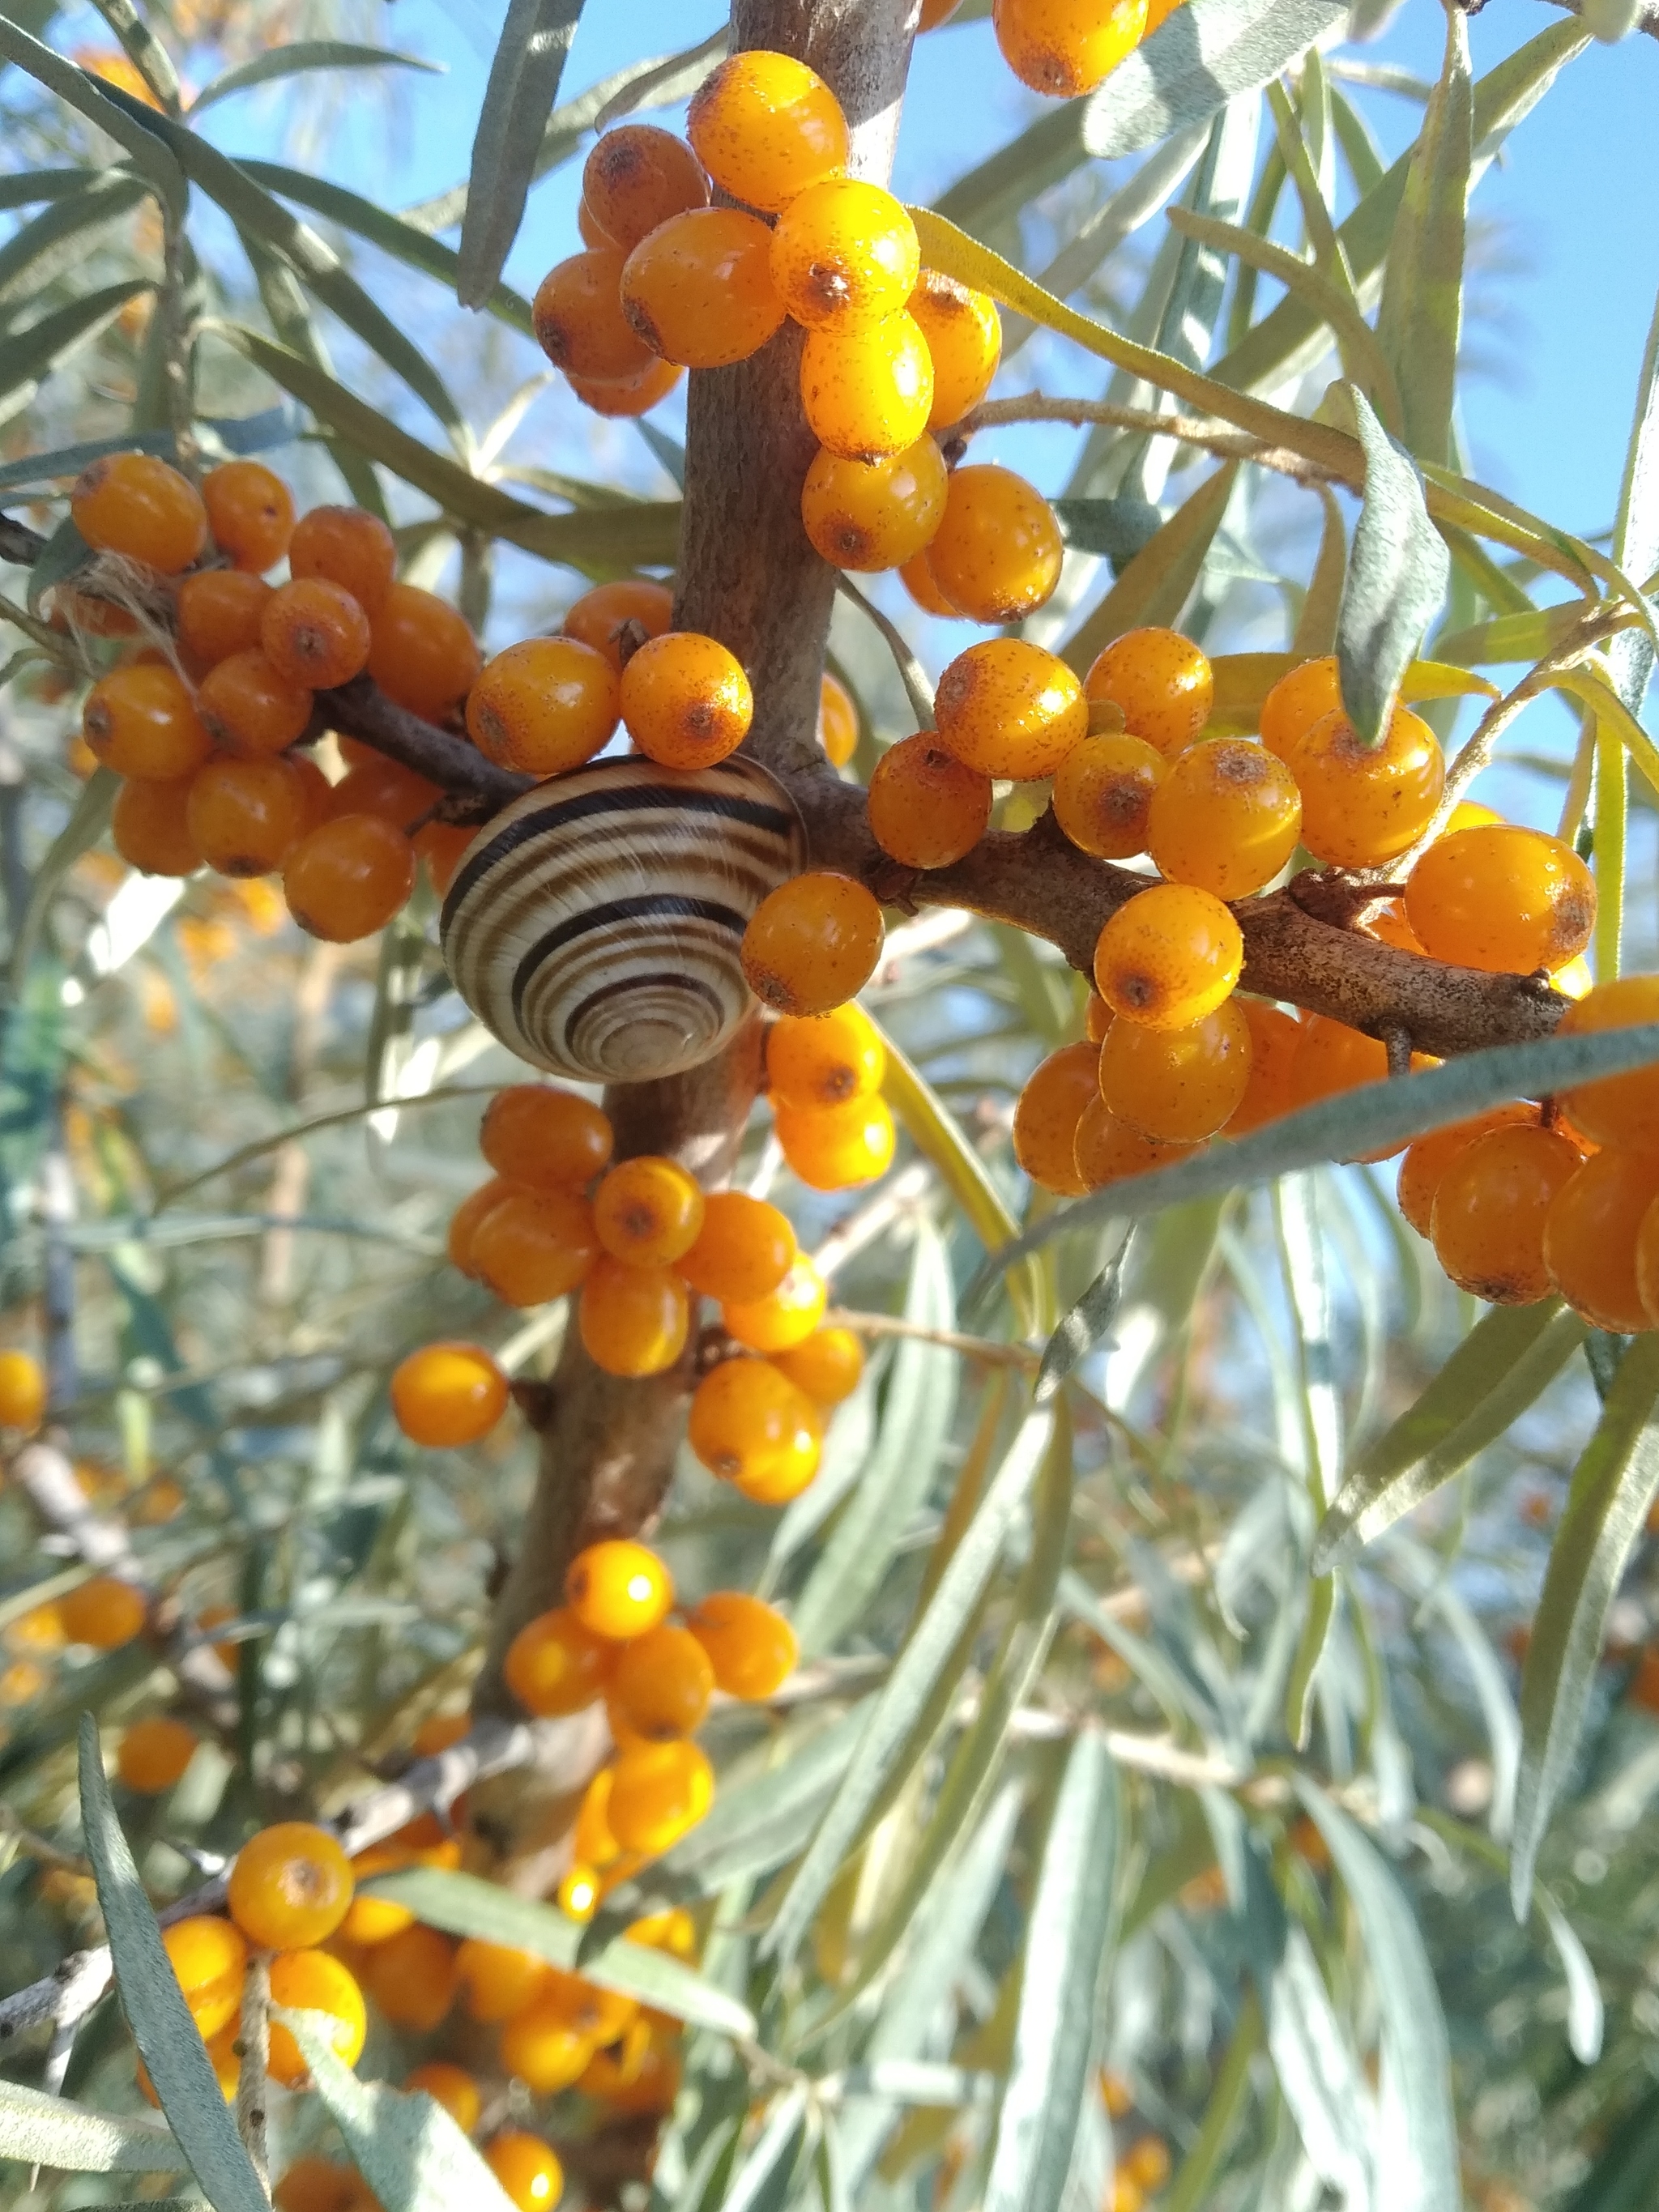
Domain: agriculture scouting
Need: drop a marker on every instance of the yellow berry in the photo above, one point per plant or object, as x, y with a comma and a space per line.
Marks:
1169, 956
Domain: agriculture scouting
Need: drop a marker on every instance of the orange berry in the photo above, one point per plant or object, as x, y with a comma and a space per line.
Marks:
635, 178
544, 705
1097, 1019
867, 388
149, 829
105, 1613
866, 515
1469, 814
1006, 708
153, 1753
535, 1245
449, 1394
452, 2087
699, 291
832, 1147
1296, 702
241, 815
412, 1978
1274, 1037
1387, 922
1148, 2162
935, 13
1590, 1237
964, 337
686, 700
289, 1887
136, 505
23, 1383
1499, 897
659, 1791
1104, 793
1329, 1058
314, 632
597, 618
1647, 1285
1620, 1110
844, 252
595, 1845
649, 1211
497, 1980
348, 547
645, 2082
743, 1249
378, 785
347, 877
917, 577
1160, 682
662, 1684
537, 1133
838, 722
1426, 1161
788, 1316
468, 1215
1226, 817
250, 511
752, 1427
1167, 957
827, 1364
578, 319
626, 397
1360, 806
1108, 1151
555, 1665
420, 652
371, 1919
765, 127
526, 2168
926, 807
543, 2047
997, 552
618, 1588
1065, 47
1489, 1211
751, 1647
1178, 1085
1050, 1104
208, 1958
141, 722
824, 1060
219, 613
317, 2184
314, 1981
443, 846
245, 704
633, 1320
813, 944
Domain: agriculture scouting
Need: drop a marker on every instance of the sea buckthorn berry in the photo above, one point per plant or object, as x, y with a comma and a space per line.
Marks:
1147, 2163
438, 1732
535, 1245
149, 827
827, 1364
832, 1147
597, 618
588, 226
537, 1133
289, 1887
788, 1314
1274, 1037
1647, 1285
926, 807
753, 1428
1618, 1110
618, 1588
659, 1792
1488, 1214
1226, 817
449, 1394
1178, 1085
662, 1684
1387, 922
918, 578
219, 613
1065, 47
1108, 1151
867, 515
497, 1980
250, 511
743, 1249
699, 290
314, 633
633, 1320
1050, 1105
867, 388
838, 722
1103, 791
1162, 684
1097, 1019
826, 1060
420, 652
544, 705
314, 1981
208, 1958
1426, 1160
750, 1646
638, 176
1590, 1237
140, 721
577, 318
645, 2080
554, 1665
1499, 897
441, 846
1006, 708
1469, 814
105, 1613
649, 1211
136, 505
595, 1845
385, 788
245, 704
411, 1977
23, 1385
153, 1753
578, 1893
347, 877
348, 547
317, 2184
1360, 806
626, 397
964, 337
936, 14
998, 551
452, 2087
813, 944
370, 1919
242, 815
765, 127
1169, 956
844, 252
543, 2047
686, 700
1296, 702
527, 2169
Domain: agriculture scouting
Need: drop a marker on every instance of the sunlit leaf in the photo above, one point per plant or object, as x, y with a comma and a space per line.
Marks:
1200, 57
1158, 581
84, 93
32, 354
42, 2131
55, 240
302, 57
524, 83
1397, 573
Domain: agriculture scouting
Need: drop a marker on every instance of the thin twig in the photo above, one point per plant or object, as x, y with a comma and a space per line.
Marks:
1209, 436
253, 2050
983, 1348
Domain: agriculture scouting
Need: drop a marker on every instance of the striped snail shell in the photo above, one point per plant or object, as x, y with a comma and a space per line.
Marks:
593, 925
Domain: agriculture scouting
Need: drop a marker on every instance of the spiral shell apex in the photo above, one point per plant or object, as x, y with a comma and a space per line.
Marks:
594, 925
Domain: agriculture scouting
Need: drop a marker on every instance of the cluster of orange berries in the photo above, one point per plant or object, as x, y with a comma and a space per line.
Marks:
1066, 47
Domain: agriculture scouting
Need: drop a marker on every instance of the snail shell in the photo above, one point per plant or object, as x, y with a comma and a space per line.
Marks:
594, 925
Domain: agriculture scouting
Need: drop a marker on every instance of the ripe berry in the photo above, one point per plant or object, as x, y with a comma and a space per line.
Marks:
595, 1845
250, 511
527, 2169
153, 1753
313, 1981
1274, 1037
314, 633
785, 1317
135, 504
867, 515
1499, 897
535, 1245
832, 1147
378, 785
935, 13
371, 1919
1226, 817
918, 578
578, 319
439, 1732
149, 829
626, 397
827, 1364
1296, 702
926, 807
1488, 1216
448, 1394
618, 1588
105, 1613
243, 815
23, 1386
633, 1319
1425, 1162
844, 252
743, 1249
555, 1665
411, 1977
141, 722
1046, 1117
1161, 682
246, 705
317, 2184
208, 1958
997, 552
1620, 1110
1361, 806
544, 705
452, 2087
659, 1792
346, 878
537, 1133
1590, 1236
1006, 708
1108, 1151
443, 846
662, 1685
1178, 1085
219, 613
867, 388
1065, 47
765, 127
699, 290
497, 1980
597, 617
964, 337
1387, 922
643, 2081
1103, 795
750, 1646
838, 722
753, 1428
542, 2047
638, 176
421, 652
649, 1211
348, 547
1169, 956
289, 1887
686, 700
813, 944
826, 1060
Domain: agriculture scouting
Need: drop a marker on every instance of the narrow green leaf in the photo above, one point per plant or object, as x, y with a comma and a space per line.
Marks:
761, 2183
1200, 57
1304, 1667
1159, 580
1115, 528
524, 83
1621, 2179
1397, 577
63, 556
233, 433
305, 55
43, 2130
1636, 529
85, 826
1084, 1328
1586, 2013
997, 188
1610, 814
84, 93
1531, 636
28, 356
55, 240
1613, 1487
144, 50
1202, 2160
29, 186
1358, 144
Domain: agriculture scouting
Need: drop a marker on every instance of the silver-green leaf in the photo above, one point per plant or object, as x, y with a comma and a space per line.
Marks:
524, 83
1397, 577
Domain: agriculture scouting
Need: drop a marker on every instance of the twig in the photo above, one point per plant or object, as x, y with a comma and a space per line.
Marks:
253, 2050
1209, 436
983, 1348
